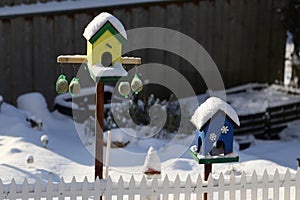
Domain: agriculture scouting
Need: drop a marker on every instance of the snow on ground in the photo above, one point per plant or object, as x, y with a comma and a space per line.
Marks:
67, 155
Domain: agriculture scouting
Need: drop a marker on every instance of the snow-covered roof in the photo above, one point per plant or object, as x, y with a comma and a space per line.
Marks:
99, 21
209, 108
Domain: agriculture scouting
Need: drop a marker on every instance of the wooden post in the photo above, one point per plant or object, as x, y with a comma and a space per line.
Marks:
107, 158
99, 126
207, 171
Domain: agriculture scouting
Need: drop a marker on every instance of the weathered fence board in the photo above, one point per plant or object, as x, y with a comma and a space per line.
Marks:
5, 60
245, 38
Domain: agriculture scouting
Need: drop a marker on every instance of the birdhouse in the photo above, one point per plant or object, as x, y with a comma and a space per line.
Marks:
215, 121
105, 36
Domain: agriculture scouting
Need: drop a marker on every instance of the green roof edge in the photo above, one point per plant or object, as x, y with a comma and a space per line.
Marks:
112, 29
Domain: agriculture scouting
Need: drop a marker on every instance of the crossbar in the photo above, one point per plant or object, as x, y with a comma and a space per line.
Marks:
83, 58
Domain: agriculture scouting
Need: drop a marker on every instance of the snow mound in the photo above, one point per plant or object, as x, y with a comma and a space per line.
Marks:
99, 21
123, 135
152, 163
34, 103
291, 133
210, 107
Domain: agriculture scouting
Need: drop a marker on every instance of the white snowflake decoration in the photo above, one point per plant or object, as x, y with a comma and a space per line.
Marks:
212, 137
224, 129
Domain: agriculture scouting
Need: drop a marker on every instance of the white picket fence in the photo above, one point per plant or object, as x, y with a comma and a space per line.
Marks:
268, 186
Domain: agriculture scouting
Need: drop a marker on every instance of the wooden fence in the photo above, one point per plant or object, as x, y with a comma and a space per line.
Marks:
246, 39
268, 186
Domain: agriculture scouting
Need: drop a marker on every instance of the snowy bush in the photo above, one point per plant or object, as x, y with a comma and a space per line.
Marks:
139, 114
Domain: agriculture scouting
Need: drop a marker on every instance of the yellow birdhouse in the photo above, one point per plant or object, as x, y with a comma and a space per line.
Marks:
105, 36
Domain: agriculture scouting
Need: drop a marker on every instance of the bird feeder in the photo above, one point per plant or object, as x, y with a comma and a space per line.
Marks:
215, 121
105, 36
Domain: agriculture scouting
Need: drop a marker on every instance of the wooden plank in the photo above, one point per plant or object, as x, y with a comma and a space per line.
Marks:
210, 18
44, 73
139, 17
83, 58
174, 23
17, 2
202, 26
21, 60
219, 45
190, 23
131, 60
261, 66
64, 41
81, 20
99, 127
71, 59
235, 34
28, 52
157, 14
9, 2
5, 58
278, 40
224, 48
248, 48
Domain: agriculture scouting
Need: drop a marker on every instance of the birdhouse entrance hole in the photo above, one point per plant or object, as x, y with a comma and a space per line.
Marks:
106, 59
199, 146
219, 148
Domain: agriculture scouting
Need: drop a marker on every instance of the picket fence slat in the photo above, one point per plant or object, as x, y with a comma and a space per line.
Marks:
276, 186
267, 186
287, 181
297, 180
265, 181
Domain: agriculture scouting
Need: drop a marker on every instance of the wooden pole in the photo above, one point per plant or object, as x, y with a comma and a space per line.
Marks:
107, 158
207, 171
99, 126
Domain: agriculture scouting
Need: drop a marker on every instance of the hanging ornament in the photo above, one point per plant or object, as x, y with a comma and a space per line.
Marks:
136, 84
61, 84
124, 89
74, 87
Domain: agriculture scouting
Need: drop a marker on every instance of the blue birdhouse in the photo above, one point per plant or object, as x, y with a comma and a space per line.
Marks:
215, 121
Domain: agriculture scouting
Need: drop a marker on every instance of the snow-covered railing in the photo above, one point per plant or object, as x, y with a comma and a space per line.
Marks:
27, 2
268, 186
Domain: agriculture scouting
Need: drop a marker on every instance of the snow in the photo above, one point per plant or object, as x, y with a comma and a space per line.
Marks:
116, 70
253, 98
67, 155
33, 103
210, 107
122, 135
152, 161
99, 21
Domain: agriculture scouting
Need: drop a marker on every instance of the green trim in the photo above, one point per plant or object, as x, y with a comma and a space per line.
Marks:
214, 160
110, 79
112, 29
